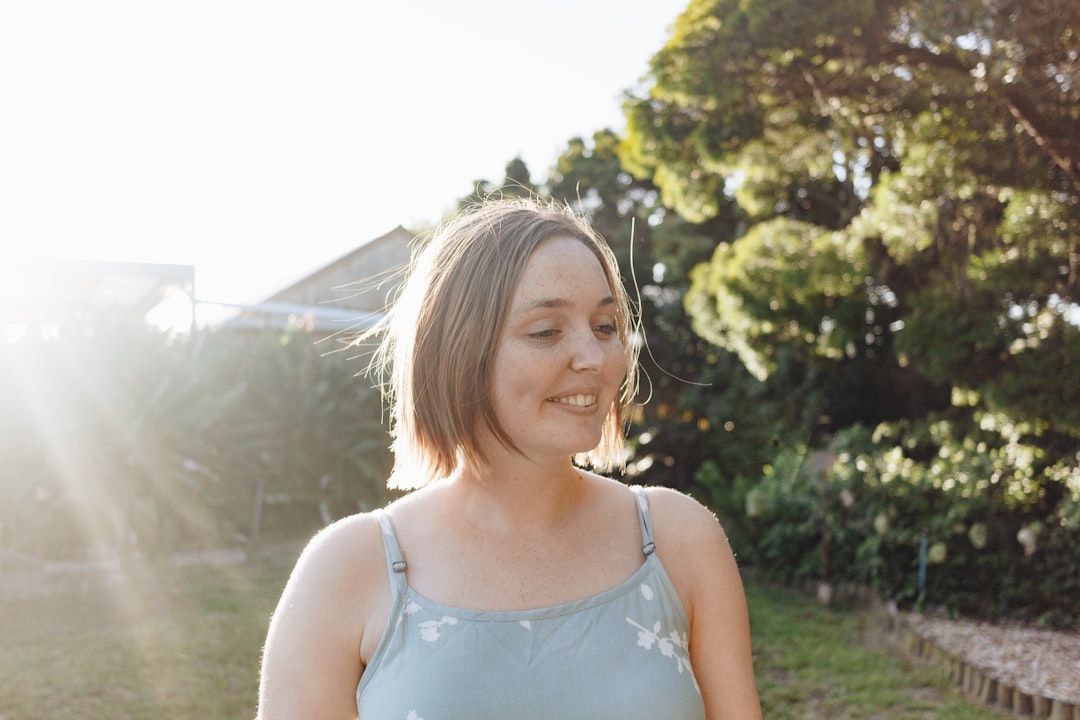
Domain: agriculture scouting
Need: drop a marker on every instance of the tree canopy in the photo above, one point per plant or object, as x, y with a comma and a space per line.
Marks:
911, 171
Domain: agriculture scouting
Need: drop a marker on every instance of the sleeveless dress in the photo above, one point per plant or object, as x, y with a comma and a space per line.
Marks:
618, 655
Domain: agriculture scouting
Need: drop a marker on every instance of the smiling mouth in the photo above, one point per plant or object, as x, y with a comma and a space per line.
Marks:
576, 400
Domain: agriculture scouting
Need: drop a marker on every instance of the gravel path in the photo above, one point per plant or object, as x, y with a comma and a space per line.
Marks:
1038, 662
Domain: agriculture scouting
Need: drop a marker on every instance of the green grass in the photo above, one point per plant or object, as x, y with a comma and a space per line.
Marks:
173, 643
814, 663
184, 643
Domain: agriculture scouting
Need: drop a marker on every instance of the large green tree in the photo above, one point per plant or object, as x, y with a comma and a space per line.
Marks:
911, 171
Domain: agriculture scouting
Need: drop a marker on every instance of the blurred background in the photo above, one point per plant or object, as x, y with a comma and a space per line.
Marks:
852, 229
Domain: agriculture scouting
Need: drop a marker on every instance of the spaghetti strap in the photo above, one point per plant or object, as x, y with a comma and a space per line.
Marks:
648, 546
633, 663
395, 561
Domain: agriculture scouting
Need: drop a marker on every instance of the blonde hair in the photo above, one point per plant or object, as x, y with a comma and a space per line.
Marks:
435, 360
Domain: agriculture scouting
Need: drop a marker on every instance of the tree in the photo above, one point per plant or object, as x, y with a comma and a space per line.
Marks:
910, 174
516, 183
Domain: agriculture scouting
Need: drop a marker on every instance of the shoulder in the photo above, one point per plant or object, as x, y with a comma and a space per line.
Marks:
333, 600
345, 549
692, 545
680, 520
340, 569
340, 584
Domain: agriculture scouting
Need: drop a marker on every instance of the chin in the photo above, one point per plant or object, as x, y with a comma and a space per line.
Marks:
585, 446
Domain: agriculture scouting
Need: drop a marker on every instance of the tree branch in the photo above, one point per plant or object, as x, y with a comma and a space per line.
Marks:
1060, 153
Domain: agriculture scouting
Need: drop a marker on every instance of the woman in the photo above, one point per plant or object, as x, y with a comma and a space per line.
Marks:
513, 583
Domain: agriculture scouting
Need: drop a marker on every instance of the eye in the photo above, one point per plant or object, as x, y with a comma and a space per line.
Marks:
546, 333
605, 329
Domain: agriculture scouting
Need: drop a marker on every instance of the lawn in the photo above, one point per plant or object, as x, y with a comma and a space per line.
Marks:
815, 663
170, 643
184, 643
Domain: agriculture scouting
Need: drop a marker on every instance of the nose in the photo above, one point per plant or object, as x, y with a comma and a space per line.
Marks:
587, 352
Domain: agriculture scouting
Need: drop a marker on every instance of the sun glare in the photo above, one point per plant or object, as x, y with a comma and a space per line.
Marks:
46, 297
174, 314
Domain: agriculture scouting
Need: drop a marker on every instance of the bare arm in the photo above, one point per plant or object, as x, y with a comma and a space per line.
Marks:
312, 659
696, 553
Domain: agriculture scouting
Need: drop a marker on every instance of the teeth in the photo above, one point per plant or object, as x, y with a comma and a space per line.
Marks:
577, 400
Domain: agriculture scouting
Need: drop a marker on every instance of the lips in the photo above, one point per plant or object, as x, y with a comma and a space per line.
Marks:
577, 400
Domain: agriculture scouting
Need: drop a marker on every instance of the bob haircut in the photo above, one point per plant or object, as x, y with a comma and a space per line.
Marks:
441, 334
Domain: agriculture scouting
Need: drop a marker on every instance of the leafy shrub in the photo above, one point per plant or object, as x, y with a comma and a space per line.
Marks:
998, 514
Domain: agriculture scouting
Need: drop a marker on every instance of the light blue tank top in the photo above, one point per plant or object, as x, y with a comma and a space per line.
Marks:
619, 655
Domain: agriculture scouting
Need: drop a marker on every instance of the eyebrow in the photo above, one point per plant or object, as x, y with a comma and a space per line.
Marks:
557, 304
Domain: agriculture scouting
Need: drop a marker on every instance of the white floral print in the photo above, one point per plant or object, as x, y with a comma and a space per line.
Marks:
673, 645
429, 629
647, 591
413, 716
410, 608
525, 624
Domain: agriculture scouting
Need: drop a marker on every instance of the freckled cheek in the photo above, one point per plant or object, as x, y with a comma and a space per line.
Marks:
617, 361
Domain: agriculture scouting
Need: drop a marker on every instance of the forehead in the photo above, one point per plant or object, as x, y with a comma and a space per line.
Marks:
561, 267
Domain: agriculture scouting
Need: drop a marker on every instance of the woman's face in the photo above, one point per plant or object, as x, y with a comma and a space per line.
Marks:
559, 361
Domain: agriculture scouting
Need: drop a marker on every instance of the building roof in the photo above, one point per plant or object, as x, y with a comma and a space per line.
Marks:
327, 300
39, 292
320, 319
398, 235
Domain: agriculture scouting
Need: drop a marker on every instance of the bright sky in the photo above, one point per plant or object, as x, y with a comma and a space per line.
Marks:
259, 140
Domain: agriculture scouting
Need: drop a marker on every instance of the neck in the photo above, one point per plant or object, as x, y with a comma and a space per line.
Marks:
521, 495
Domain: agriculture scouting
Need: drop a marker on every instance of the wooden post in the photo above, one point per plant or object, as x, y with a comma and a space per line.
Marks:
1005, 696
1022, 703
1061, 710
